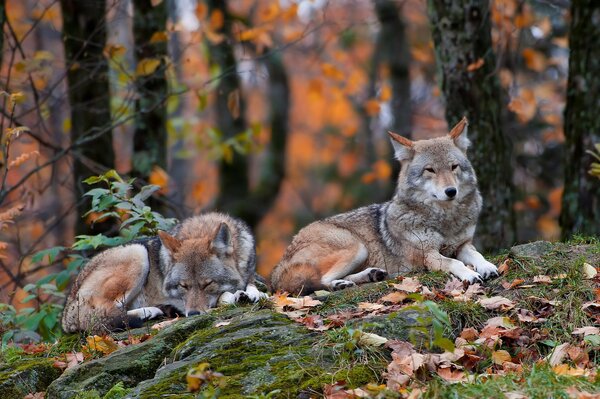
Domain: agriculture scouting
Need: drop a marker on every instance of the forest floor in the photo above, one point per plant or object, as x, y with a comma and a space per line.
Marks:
530, 333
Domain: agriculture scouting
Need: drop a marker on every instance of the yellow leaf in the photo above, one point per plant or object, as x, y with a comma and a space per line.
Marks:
158, 37
331, 71
372, 107
159, 177
217, 20
270, 12
14, 132
43, 55
386, 93
147, 66
501, 356
534, 60
114, 50
17, 98
104, 345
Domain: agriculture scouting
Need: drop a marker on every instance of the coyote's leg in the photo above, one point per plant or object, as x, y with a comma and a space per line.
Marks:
145, 313
369, 275
436, 261
346, 261
251, 294
469, 256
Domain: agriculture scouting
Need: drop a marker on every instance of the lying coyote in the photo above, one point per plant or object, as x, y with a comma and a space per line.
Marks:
429, 222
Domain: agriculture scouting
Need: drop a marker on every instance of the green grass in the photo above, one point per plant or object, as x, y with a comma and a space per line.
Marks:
535, 382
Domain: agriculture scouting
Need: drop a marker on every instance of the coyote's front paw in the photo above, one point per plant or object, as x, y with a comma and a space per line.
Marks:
145, 313
376, 274
486, 269
337, 285
464, 273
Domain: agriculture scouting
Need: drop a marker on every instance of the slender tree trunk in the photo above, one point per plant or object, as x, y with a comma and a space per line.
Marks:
84, 33
461, 33
2, 19
392, 52
150, 137
581, 199
233, 173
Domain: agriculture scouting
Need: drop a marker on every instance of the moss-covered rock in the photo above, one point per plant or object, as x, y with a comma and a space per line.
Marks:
25, 376
258, 352
130, 365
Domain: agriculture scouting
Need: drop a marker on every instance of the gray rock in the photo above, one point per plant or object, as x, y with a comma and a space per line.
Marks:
531, 250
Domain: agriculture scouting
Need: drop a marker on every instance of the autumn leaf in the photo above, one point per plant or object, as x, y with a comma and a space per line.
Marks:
159, 177
587, 330
408, 284
217, 20
475, 65
542, 279
371, 339
534, 59
104, 345
147, 66
451, 375
331, 71
159, 37
496, 302
200, 375
372, 107
368, 306
524, 105
503, 268
558, 354
501, 356
565, 369
163, 324
589, 271
394, 297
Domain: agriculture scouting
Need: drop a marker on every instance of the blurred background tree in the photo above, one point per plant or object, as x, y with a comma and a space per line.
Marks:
277, 111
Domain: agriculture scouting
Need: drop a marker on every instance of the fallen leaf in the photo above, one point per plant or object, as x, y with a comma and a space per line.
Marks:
515, 283
368, 306
565, 369
163, 324
469, 334
496, 302
73, 359
451, 375
105, 345
542, 279
587, 330
408, 284
527, 316
223, 323
503, 268
501, 356
558, 354
394, 297
589, 271
371, 339
37, 395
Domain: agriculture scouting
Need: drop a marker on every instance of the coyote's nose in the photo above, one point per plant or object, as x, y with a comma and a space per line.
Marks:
450, 192
192, 313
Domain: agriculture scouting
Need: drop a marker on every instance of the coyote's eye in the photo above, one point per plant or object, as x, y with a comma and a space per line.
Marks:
183, 285
430, 170
454, 167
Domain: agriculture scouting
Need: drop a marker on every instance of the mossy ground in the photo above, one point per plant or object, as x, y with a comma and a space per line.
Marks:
262, 353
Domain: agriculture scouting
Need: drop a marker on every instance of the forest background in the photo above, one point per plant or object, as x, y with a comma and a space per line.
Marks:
277, 112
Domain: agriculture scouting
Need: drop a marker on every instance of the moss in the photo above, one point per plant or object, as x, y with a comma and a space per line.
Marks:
351, 297
465, 314
26, 376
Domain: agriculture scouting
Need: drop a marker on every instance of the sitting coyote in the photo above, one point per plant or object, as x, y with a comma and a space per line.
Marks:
205, 260
430, 222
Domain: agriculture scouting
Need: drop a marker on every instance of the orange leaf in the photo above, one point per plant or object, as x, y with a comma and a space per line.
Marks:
525, 105
158, 37
331, 71
394, 297
475, 65
534, 59
217, 20
159, 177
372, 107
501, 356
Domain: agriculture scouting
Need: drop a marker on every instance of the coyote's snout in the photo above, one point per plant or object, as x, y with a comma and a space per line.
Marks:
429, 223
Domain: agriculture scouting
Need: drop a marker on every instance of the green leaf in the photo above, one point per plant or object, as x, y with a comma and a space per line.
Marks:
28, 298
592, 339
51, 253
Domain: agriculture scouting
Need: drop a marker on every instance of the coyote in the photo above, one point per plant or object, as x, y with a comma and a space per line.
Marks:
429, 222
203, 260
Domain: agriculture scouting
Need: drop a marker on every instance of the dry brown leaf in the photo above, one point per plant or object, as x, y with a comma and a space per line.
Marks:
558, 354
369, 307
451, 375
527, 316
574, 393
501, 356
394, 297
469, 334
163, 324
503, 268
409, 285
589, 271
496, 302
587, 330
542, 279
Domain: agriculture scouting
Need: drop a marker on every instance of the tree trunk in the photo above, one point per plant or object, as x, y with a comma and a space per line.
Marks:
391, 51
2, 19
84, 33
150, 137
233, 173
461, 33
581, 199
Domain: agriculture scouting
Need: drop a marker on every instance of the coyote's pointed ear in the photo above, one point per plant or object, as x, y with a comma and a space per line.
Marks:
403, 147
222, 242
171, 243
459, 134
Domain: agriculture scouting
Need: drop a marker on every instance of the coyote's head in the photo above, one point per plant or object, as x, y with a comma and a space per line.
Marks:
202, 269
435, 169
